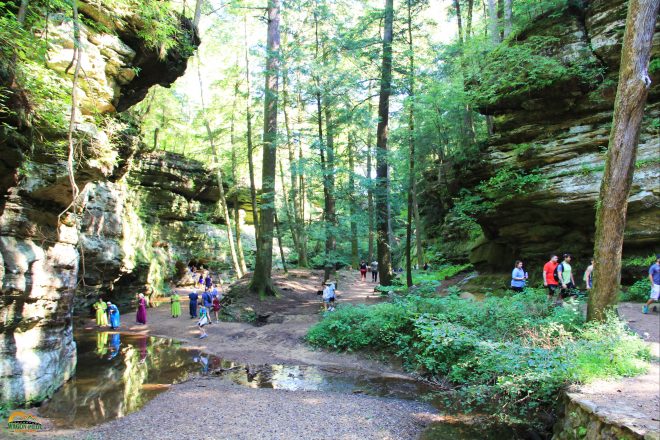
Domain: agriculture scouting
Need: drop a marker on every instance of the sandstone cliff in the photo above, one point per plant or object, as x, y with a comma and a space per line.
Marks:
40, 254
557, 134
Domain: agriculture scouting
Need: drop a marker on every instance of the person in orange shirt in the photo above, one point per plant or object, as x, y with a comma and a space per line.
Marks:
549, 279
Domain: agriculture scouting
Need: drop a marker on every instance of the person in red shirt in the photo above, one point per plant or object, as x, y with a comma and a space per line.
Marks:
549, 280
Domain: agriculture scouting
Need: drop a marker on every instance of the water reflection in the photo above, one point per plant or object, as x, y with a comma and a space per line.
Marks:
118, 373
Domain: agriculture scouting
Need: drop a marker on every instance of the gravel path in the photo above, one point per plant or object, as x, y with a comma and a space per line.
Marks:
210, 408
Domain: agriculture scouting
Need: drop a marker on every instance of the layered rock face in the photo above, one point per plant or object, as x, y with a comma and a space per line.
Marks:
559, 134
41, 248
136, 229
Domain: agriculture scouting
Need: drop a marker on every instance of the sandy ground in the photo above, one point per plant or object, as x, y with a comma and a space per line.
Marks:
635, 401
280, 340
212, 408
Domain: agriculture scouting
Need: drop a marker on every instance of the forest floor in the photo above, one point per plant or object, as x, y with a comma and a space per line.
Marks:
208, 407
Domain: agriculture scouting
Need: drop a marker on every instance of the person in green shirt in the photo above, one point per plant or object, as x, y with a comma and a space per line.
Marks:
101, 313
175, 302
565, 272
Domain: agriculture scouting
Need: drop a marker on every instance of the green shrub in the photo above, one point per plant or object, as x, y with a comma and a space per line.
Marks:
638, 292
511, 353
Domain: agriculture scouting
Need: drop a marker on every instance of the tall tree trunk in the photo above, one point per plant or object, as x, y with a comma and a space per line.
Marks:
468, 33
411, 145
326, 151
291, 202
234, 166
248, 134
287, 210
419, 233
612, 204
198, 13
370, 193
329, 179
468, 122
382, 174
508, 17
300, 210
492, 21
261, 280
353, 212
22, 12
222, 202
279, 241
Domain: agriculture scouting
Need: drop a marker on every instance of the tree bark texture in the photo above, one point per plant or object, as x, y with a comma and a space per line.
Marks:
411, 146
382, 171
261, 280
248, 135
631, 94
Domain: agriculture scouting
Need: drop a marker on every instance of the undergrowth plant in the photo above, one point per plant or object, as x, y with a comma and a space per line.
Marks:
513, 354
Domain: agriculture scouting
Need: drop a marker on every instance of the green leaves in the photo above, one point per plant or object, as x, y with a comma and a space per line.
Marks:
513, 353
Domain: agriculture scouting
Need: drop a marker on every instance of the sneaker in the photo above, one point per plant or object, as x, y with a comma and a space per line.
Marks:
645, 309
203, 336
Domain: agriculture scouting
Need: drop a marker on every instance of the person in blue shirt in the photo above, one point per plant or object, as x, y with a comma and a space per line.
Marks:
193, 296
518, 277
113, 313
207, 300
654, 277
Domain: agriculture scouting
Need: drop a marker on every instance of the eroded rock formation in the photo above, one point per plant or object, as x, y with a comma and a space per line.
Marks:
560, 133
41, 249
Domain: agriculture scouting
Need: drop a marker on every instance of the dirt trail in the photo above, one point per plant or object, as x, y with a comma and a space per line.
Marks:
281, 339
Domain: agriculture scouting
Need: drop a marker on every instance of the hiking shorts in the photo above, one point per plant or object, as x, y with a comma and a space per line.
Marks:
552, 289
655, 292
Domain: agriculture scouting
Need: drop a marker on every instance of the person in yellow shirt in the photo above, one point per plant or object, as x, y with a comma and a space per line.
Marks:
101, 313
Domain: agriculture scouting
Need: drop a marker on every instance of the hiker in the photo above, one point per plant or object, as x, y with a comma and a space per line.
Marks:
101, 315
216, 308
589, 276
654, 277
204, 319
201, 279
565, 275
363, 270
175, 305
426, 267
549, 279
193, 297
374, 271
328, 296
208, 282
141, 315
113, 312
207, 301
518, 277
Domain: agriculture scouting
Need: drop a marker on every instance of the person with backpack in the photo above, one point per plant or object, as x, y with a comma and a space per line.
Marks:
204, 319
550, 280
207, 301
363, 270
565, 277
374, 271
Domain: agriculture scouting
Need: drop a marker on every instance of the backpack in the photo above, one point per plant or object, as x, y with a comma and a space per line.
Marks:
556, 272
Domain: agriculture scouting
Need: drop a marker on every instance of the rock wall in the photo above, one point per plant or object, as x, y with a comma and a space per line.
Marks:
135, 230
584, 420
559, 133
40, 249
